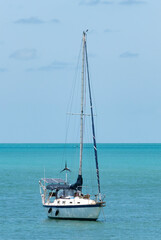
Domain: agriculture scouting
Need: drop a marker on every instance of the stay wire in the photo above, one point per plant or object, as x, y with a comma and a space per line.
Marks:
70, 103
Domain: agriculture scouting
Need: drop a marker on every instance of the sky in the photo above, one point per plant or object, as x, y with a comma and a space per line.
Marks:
39, 46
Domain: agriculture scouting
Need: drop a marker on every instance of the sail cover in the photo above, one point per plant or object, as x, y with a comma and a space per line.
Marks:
78, 184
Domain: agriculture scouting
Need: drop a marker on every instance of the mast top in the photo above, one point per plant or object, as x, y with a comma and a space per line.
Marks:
84, 35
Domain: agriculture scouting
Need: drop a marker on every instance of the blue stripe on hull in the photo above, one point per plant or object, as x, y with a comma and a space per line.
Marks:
80, 219
76, 206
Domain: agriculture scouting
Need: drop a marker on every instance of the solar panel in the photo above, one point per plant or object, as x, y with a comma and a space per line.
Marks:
53, 180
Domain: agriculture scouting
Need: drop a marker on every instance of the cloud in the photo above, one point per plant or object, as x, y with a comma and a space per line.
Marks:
89, 2
55, 20
132, 2
3, 69
107, 30
31, 20
24, 54
106, 2
35, 21
53, 66
94, 2
56, 65
129, 55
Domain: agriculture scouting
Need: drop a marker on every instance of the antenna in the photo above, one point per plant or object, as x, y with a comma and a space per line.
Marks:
44, 176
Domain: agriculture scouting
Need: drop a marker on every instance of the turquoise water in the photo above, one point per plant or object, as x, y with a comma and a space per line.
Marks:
130, 179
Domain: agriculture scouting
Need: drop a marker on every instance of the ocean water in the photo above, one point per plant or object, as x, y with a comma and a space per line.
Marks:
130, 179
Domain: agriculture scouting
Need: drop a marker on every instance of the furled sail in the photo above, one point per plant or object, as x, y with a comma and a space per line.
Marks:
92, 119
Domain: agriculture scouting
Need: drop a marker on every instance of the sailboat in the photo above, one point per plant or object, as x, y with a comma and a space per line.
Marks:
61, 199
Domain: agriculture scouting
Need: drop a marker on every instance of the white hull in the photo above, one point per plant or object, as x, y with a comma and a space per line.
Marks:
73, 212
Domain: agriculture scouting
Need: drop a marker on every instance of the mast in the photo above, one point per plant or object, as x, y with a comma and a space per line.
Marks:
93, 128
79, 182
82, 101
